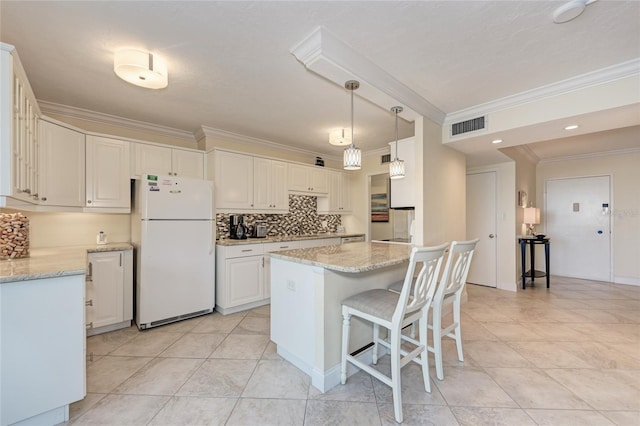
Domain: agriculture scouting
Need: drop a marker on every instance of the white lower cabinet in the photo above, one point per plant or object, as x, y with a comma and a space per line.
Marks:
243, 272
239, 278
109, 291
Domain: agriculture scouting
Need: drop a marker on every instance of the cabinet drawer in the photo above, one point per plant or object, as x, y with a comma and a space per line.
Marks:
285, 245
242, 250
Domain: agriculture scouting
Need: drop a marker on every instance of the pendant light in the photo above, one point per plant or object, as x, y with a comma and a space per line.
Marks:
396, 167
352, 155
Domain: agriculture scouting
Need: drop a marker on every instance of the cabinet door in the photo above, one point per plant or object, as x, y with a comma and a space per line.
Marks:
262, 184
279, 193
345, 193
318, 180
105, 285
233, 181
298, 178
187, 163
62, 166
243, 279
151, 159
335, 191
108, 182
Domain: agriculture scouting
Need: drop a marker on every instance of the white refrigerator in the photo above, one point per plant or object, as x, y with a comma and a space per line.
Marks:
173, 232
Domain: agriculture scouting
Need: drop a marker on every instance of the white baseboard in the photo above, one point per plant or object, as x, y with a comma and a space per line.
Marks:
627, 280
323, 381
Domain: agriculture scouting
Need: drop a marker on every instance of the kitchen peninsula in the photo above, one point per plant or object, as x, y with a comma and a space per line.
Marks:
42, 338
307, 288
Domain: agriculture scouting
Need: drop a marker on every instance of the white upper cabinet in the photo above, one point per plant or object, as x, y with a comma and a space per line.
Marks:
187, 163
312, 179
61, 165
251, 183
107, 176
338, 200
233, 180
19, 115
270, 185
403, 190
160, 160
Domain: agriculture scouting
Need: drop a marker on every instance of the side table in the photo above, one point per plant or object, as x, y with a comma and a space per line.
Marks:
531, 242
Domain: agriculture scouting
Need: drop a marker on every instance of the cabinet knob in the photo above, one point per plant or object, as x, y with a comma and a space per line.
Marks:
88, 201
88, 302
27, 191
43, 199
89, 326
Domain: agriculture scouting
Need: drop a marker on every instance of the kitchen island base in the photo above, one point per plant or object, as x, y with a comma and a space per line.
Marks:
306, 315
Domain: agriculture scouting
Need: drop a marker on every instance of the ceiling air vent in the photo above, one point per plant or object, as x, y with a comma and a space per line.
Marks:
384, 159
468, 126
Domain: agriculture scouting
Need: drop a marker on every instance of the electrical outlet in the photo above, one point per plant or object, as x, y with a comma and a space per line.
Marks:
291, 285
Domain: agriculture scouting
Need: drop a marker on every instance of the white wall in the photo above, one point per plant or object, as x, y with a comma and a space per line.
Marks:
441, 216
625, 170
71, 229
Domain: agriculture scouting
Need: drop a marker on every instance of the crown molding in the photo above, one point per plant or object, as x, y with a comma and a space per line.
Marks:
523, 150
602, 76
211, 132
98, 117
591, 155
326, 55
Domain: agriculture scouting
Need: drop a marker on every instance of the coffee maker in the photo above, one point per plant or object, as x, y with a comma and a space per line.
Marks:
237, 228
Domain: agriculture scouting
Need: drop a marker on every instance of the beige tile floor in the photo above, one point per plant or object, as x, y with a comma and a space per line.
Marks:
565, 356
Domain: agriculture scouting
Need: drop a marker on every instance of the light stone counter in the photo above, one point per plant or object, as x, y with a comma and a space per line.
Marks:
52, 262
351, 258
282, 238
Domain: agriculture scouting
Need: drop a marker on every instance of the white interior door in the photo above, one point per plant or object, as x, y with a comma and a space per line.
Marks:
579, 227
481, 223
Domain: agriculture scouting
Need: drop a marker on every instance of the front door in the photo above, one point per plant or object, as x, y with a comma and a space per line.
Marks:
481, 223
578, 221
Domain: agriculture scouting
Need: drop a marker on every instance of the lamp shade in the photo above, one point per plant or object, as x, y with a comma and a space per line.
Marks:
396, 169
141, 68
531, 215
352, 158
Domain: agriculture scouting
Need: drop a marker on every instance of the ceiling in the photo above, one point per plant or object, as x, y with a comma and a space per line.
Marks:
231, 67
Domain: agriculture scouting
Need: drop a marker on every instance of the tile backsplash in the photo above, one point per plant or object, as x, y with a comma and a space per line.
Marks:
303, 218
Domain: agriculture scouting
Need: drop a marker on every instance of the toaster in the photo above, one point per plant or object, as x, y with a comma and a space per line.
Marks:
260, 231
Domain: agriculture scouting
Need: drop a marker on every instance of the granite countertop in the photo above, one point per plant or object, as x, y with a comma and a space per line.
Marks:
282, 238
352, 258
53, 262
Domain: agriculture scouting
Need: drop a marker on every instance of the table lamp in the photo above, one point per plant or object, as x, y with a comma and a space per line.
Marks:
531, 218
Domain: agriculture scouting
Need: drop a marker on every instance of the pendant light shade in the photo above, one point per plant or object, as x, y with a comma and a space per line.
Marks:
141, 68
352, 155
396, 167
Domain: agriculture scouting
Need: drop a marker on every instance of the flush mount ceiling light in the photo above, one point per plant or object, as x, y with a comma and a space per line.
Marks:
396, 167
571, 10
571, 127
352, 155
338, 137
496, 141
141, 68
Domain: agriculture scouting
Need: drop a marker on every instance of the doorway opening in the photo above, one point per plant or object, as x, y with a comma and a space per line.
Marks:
387, 224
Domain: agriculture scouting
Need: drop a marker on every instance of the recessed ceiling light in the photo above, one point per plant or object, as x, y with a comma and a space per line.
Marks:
496, 141
571, 127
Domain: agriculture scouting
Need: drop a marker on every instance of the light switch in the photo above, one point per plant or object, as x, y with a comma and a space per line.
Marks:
576, 207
